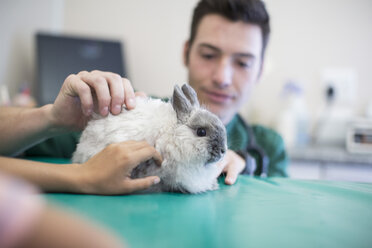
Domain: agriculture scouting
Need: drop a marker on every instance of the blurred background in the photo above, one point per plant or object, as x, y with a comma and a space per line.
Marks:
315, 91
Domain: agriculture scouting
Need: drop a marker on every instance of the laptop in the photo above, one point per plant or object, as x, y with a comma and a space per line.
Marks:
60, 55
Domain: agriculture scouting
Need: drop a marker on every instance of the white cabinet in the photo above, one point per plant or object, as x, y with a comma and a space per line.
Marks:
329, 163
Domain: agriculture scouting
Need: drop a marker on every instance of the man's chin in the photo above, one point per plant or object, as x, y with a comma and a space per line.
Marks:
222, 113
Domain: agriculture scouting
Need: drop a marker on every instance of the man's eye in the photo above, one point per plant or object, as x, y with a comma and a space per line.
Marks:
243, 64
208, 56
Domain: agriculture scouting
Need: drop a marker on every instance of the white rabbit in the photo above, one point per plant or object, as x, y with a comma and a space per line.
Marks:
189, 138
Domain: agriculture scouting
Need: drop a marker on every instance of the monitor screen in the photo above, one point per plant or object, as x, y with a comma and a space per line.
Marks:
59, 56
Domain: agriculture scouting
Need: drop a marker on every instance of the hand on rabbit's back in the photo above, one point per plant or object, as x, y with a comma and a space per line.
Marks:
190, 139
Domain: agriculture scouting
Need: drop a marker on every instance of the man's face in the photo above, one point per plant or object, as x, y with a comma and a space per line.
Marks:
224, 63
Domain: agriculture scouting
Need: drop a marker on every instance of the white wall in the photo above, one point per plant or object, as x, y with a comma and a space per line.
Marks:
19, 20
153, 33
307, 36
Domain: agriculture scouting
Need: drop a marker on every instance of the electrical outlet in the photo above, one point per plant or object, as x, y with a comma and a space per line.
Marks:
340, 85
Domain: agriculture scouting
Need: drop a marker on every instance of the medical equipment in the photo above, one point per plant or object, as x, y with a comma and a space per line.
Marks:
359, 137
254, 150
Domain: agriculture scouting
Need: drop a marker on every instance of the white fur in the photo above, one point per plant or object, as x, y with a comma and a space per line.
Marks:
184, 154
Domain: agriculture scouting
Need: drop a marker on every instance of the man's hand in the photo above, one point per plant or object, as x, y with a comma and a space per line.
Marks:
232, 165
108, 172
85, 92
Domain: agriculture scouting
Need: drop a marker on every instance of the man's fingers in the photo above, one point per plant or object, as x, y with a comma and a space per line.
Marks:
109, 89
129, 98
232, 175
116, 91
140, 94
77, 88
141, 151
222, 165
101, 89
158, 159
147, 152
150, 152
132, 185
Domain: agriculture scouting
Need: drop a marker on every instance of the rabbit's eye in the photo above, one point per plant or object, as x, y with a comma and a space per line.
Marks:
201, 132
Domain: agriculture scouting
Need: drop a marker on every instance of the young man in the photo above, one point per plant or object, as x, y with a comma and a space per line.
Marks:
224, 56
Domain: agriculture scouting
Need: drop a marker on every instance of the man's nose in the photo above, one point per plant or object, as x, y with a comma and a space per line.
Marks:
222, 76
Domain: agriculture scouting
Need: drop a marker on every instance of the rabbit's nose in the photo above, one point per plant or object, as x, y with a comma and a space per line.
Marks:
221, 150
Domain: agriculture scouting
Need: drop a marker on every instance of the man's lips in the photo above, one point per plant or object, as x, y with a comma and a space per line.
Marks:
218, 97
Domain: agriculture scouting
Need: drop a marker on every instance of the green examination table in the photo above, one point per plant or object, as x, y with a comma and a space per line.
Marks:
255, 212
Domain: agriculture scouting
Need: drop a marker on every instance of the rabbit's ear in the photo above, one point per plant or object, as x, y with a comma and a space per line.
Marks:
191, 95
181, 104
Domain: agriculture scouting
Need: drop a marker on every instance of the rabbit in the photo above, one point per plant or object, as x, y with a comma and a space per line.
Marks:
190, 139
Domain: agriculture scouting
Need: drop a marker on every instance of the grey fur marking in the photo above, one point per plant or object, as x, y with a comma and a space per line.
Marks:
181, 104
191, 95
216, 134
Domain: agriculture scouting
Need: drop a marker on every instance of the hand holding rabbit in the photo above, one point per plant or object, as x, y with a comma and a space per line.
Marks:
22, 127
190, 139
88, 92
109, 171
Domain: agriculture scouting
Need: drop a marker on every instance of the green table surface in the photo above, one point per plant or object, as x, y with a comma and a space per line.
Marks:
255, 212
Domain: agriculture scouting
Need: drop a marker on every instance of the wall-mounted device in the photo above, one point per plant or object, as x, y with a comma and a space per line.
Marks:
359, 137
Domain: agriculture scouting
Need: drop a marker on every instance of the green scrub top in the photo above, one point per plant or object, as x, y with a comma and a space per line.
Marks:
237, 135
238, 138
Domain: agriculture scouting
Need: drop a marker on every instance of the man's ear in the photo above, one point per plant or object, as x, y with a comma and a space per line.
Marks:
186, 53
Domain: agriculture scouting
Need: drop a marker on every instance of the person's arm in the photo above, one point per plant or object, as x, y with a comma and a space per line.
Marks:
80, 95
106, 173
26, 221
23, 127
56, 227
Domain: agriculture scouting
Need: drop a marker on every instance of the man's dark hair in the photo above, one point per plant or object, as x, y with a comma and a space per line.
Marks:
248, 11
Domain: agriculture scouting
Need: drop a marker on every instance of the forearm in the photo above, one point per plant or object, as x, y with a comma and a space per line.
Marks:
26, 221
48, 177
54, 225
23, 127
